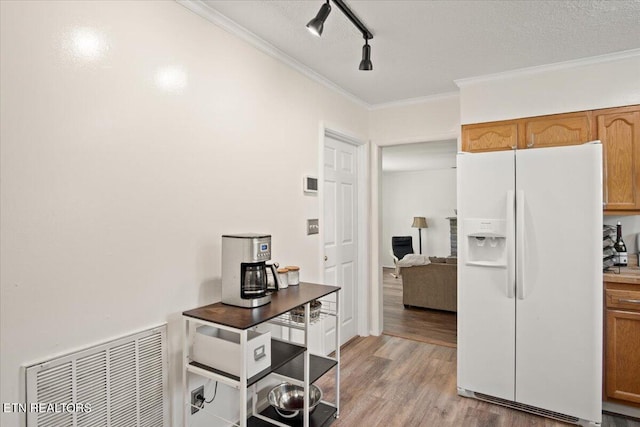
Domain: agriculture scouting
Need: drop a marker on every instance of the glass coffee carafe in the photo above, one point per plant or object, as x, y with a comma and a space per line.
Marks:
254, 280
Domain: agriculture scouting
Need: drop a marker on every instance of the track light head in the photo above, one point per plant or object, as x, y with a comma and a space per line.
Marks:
366, 64
316, 24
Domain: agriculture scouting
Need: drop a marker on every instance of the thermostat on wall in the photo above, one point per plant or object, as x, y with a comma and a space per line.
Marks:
310, 184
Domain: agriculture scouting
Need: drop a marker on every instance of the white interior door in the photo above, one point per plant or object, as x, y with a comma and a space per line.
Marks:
340, 234
559, 293
486, 303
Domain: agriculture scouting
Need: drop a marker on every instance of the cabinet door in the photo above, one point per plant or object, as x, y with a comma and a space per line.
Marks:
622, 369
496, 136
619, 131
556, 130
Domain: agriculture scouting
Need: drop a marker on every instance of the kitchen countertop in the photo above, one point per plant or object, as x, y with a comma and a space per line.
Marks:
627, 275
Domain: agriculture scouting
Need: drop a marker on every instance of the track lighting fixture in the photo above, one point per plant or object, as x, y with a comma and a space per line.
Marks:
366, 63
316, 25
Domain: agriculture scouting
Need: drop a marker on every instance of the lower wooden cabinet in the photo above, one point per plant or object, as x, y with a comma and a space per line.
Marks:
622, 349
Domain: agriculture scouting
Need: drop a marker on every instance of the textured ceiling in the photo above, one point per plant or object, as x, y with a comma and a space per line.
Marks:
421, 47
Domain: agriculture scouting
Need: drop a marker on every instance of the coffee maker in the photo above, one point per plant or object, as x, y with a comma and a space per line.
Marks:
244, 269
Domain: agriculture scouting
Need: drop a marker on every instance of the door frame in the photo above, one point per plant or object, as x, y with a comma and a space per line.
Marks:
362, 215
375, 272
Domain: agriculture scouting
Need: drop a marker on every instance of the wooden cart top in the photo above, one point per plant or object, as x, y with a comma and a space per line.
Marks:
245, 318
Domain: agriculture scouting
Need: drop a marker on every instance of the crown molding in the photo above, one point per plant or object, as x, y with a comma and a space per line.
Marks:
413, 101
616, 56
200, 8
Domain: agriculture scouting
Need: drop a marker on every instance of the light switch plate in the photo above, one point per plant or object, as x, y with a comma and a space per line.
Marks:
312, 226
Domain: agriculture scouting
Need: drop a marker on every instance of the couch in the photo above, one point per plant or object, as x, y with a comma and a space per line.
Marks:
433, 285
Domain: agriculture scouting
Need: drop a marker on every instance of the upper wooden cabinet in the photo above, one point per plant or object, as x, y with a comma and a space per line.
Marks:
495, 136
555, 130
619, 131
532, 132
617, 128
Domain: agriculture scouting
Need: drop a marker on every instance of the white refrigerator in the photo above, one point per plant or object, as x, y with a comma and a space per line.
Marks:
530, 280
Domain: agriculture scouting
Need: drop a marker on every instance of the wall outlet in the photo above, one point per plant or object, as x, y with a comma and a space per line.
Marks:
197, 399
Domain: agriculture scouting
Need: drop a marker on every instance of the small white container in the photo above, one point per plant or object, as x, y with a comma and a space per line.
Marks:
283, 275
293, 275
220, 349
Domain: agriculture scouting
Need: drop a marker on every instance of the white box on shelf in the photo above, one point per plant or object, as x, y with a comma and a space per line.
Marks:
220, 349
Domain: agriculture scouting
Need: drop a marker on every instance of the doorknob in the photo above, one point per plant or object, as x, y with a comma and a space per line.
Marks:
325, 258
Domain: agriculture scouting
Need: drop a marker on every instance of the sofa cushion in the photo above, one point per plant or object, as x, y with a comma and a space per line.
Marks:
430, 286
437, 259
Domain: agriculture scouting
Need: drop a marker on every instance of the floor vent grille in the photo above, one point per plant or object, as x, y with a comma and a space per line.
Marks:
527, 408
124, 381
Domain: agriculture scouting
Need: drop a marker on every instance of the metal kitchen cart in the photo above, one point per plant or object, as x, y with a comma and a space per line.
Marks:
289, 361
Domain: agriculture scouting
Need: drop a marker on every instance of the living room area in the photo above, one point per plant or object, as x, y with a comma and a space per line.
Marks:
419, 221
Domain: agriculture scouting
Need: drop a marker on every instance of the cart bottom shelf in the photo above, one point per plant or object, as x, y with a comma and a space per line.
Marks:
323, 416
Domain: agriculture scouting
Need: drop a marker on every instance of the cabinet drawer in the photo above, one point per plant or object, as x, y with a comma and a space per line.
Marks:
626, 300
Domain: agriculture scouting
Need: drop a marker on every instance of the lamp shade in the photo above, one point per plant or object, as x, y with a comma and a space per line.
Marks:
316, 25
366, 64
419, 222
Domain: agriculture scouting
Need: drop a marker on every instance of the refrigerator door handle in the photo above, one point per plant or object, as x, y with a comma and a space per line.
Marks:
511, 244
521, 244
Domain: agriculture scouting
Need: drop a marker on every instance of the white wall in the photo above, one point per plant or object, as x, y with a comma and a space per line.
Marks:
607, 81
119, 175
434, 118
429, 193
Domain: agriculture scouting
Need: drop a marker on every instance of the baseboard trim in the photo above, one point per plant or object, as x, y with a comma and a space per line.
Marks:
615, 408
528, 408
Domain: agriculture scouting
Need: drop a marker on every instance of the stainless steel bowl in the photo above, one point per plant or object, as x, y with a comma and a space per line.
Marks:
288, 399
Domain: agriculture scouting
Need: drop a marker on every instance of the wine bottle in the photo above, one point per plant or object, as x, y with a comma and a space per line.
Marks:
620, 247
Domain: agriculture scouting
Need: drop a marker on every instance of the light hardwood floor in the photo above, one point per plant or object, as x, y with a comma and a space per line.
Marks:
430, 326
390, 381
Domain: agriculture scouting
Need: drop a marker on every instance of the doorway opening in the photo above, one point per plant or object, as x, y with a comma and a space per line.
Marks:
418, 180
